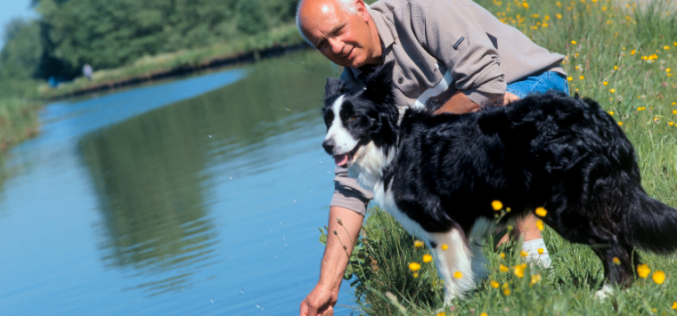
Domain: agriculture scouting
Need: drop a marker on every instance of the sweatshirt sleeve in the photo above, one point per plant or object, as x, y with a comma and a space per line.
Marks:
348, 193
449, 32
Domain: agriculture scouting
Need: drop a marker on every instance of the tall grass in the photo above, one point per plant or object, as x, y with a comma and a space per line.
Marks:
625, 57
18, 111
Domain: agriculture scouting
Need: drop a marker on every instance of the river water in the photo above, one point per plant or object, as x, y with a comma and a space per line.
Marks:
200, 196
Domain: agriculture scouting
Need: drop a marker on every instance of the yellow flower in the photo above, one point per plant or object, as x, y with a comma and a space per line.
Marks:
666, 47
519, 271
674, 103
539, 224
674, 305
616, 261
445, 246
577, 67
582, 77
643, 270
671, 123
615, 67
418, 243
524, 254
620, 123
506, 292
668, 70
525, 5
415, 274
496, 205
573, 42
540, 211
458, 274
427, 258
612, 90
494, 284
441, 314
414, 266
674, 111
483, 314
632, 52
503, 268
507, 209
570, 78
540, 251
611, 112
535, 279
502, 255
605, 83
659, 277
559, 16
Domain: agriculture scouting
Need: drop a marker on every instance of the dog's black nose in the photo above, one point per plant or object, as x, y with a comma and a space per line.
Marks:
328, 145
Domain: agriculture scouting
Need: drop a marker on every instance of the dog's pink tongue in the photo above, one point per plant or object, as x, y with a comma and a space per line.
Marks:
341, 160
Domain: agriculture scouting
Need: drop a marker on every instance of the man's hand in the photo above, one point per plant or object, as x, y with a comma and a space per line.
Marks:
319, 302
507, 99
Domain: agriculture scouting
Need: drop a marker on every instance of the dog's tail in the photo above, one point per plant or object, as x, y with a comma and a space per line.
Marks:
650, 224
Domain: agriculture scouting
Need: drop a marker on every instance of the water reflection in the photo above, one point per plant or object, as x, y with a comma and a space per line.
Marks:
152, 173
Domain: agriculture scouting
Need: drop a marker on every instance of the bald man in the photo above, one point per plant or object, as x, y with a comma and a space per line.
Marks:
450, 56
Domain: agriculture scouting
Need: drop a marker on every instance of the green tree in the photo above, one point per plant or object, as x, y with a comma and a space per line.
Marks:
251, 18
21, 54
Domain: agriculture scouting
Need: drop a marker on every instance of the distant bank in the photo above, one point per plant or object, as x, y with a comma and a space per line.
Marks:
151, 68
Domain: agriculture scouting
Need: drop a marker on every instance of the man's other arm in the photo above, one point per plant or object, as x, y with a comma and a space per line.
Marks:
322, 299
459, 103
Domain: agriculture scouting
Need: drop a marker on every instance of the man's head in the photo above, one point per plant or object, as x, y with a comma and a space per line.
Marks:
342, 30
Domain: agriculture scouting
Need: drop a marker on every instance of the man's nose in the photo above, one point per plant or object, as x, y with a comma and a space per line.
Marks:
328, 145
336, 46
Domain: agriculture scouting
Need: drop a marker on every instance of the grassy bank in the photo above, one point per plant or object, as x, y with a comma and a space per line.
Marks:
18, 112
624, 56
148, 66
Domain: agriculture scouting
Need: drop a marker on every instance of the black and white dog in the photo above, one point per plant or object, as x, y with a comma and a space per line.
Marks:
438, 174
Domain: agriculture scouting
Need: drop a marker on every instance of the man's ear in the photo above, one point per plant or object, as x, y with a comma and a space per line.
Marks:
361, 8
334, 87
379, 86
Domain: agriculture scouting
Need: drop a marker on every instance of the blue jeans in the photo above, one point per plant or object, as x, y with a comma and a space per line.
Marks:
539, 83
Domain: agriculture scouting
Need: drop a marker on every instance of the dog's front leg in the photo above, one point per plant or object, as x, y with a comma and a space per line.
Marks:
453, 259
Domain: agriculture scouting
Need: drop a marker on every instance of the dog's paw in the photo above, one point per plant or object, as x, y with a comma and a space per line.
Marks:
605, 292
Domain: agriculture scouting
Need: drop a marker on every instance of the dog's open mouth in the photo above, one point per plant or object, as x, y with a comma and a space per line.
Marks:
344, 160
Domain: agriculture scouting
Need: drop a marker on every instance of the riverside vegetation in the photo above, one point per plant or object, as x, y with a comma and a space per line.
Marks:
625, 57
121, 40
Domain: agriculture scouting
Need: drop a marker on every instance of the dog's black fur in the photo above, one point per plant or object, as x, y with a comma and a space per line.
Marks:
563, 153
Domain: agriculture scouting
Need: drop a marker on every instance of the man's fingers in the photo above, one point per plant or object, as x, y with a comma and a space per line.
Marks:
328, 312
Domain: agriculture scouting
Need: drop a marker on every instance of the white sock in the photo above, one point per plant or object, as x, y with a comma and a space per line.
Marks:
532, 247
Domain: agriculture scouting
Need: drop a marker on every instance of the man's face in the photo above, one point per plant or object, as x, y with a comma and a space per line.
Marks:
344, 38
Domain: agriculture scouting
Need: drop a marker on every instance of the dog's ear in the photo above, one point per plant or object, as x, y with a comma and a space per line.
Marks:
379, 85
334, 87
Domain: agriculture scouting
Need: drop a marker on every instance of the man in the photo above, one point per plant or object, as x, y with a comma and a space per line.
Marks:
450, 56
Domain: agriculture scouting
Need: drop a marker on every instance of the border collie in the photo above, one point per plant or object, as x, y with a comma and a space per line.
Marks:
438, 174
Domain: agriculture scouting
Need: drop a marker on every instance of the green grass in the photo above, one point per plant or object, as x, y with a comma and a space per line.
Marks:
608, 48
379, 265
18, 111
147, 65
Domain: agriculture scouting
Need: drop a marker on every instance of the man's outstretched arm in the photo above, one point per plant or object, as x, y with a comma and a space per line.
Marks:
322, 299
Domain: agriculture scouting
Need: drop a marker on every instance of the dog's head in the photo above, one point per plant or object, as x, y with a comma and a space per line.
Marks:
359, 116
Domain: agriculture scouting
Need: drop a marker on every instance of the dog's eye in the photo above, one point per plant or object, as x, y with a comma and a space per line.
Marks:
352, 119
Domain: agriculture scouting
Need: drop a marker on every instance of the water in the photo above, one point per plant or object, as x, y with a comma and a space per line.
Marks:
201, 196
